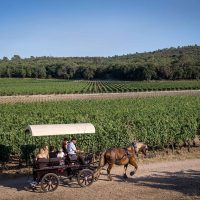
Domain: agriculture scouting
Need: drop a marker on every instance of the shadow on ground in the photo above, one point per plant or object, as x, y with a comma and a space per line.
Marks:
21, 182
17, 182
185, 182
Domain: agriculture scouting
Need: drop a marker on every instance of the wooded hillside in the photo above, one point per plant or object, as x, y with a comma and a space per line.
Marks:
169, 64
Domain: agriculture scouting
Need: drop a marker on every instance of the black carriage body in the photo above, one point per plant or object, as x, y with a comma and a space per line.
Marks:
47, 172
57, 166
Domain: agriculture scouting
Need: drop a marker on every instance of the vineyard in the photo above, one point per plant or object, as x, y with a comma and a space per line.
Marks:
52, 86
157, 121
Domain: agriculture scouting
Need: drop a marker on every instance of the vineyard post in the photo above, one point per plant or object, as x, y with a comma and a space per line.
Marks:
49, 140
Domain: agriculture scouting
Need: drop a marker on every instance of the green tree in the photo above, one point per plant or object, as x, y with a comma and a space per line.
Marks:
88, 73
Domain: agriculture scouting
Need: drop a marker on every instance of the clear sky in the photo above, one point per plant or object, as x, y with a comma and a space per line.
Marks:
96, 27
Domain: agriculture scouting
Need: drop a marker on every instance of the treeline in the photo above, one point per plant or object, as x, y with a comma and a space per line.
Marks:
169, 64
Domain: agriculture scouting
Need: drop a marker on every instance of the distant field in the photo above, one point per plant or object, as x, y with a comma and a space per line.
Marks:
55, 86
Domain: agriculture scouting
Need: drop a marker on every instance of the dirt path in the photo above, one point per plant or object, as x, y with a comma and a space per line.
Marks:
62, 97
161, 180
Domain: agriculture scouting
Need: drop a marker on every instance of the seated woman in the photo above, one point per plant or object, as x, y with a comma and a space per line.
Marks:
60, 154
46, 151
64, 145
41, 154
41, 159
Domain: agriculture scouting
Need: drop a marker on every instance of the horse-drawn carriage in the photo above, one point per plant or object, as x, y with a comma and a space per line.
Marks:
47, 172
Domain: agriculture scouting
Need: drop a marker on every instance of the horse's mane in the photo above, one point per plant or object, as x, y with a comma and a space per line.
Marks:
130, 145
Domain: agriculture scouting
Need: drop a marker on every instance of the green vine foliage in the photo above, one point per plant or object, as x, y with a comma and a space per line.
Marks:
27, 151
13, 86
158, 121
5, 152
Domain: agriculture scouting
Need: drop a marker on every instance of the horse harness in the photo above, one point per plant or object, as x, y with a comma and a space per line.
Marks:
127, 153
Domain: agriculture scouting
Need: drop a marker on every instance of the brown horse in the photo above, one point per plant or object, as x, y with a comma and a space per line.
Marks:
121, 156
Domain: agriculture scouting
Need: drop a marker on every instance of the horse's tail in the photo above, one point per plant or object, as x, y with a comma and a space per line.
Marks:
102, 160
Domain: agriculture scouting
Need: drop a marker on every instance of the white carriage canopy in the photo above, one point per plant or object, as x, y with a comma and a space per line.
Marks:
60, 129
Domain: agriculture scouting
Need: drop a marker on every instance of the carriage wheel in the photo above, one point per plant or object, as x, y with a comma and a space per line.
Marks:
85, 177
49, 182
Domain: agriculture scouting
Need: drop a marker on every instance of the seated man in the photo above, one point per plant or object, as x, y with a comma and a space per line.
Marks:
71, 150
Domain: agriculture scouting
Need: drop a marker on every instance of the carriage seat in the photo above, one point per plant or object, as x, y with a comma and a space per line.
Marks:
71, 158
41, 163
52, 154
54, 161
44, 162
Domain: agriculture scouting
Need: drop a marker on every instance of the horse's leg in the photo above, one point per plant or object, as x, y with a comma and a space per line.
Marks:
132, 161
108, 171
172, 145
97, 173
125, 168
188, 146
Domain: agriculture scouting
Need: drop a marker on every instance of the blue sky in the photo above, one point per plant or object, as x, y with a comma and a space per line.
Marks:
96, 27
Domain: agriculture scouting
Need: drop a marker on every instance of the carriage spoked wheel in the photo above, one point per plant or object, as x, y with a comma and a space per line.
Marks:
49, 182
85, 177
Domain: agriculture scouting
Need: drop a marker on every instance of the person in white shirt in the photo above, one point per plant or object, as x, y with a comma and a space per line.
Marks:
60, 154
71, 150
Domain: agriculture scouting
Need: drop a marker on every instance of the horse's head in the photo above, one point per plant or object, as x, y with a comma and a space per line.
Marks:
140, 147
144, 149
